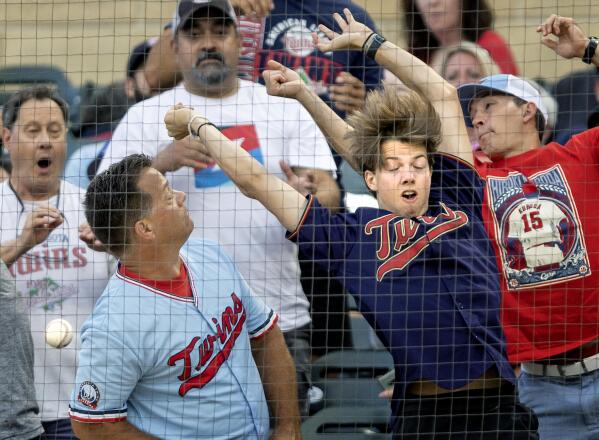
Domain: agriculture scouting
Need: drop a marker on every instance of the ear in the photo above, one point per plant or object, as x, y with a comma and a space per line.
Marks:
529, 113
6, 137
370, 180
175, 44
143, 230
129, 86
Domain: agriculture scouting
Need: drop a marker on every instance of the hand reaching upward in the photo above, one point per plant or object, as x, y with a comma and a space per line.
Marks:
571, 40
353, 34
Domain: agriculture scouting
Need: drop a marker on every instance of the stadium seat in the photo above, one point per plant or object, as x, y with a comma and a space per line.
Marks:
350, 377
348, 423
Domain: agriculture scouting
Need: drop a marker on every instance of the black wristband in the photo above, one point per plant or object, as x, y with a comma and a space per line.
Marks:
197, 133
589, 52
367, 41
376, 41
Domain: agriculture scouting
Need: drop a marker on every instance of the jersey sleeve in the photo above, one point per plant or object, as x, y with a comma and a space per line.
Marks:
305, 145
322, 237
107, 373
457, 182
586, 146
260, 317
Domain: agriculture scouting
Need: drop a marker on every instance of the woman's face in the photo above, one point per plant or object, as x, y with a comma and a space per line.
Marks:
462, 68
440, 15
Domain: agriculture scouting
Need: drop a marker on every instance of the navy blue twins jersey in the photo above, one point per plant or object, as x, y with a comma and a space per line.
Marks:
429, 285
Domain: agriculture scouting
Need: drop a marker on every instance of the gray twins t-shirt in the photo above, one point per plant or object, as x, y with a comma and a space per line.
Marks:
19, 412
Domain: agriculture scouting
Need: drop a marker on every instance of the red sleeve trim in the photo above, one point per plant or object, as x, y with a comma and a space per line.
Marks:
303, 219
266, 330
99, 420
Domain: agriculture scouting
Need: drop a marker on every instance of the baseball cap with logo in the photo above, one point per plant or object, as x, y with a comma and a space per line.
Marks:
186, 9
502, 84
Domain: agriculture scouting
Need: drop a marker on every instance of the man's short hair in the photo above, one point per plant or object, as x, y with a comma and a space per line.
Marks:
10, 112
114, 202
387, 115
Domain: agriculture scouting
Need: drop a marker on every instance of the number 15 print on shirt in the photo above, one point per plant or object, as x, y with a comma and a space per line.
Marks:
537, 228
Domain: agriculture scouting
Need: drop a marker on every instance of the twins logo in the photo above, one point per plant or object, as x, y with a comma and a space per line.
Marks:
227, 332
248, 140
537, 228
404, 230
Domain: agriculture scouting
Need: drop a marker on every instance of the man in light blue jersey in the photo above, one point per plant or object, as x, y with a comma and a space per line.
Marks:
177, 346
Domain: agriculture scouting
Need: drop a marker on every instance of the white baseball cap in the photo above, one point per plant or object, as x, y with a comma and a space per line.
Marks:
506, 85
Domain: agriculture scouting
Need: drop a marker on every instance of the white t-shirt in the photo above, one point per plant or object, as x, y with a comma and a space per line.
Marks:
59, 278
271, 129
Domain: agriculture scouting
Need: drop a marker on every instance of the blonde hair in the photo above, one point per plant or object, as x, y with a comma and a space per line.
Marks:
442, 55
407, 117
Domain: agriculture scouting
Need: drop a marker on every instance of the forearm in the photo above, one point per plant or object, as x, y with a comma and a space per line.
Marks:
443, 96
11, 251
277, 372
332, 126
109, 431
251, 177
414, 73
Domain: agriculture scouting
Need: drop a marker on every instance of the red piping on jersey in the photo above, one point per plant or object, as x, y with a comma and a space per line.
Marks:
303, 218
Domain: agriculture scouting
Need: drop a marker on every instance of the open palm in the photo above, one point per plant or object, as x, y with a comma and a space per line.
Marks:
353, 34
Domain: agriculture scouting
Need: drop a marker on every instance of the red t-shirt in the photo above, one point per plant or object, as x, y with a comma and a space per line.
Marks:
499, 50
542, 211
178, 286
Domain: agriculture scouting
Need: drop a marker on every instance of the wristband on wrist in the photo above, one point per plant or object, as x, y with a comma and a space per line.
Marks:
367, 41
189, 129
372, 45
589, 52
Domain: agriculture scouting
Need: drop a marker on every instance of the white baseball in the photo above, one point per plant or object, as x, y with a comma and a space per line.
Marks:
59, 333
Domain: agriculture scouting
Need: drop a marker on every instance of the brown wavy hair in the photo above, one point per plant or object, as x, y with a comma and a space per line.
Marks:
477, 17
387, 115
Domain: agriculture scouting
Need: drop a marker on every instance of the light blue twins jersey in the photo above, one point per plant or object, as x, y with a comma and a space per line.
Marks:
176, 367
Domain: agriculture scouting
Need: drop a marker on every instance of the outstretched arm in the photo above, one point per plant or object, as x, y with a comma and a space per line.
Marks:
571, 42
409, 69
284, 82
286, 203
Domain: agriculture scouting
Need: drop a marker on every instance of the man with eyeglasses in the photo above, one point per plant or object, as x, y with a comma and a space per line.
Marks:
57, 275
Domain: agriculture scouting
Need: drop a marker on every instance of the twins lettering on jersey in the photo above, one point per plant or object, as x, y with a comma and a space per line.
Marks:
537, 228
403, 231
247, 139
203, 349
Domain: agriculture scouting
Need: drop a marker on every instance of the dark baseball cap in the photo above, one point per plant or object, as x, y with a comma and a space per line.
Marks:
139, 55
186, 9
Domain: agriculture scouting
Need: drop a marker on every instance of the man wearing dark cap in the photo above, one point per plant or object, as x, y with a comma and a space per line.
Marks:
278, 132
136, 85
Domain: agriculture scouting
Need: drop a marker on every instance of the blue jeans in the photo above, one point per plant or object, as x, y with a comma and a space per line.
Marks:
58, 430
567, 407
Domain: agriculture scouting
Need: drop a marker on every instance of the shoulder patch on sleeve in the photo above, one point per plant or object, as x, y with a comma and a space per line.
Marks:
89, 394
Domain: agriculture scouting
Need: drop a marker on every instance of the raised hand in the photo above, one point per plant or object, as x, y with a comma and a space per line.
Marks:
282, 81
87, 236
571, 40
177, 120
39, 224
348, 93
353, 34
186, 152
302, 180
256, 8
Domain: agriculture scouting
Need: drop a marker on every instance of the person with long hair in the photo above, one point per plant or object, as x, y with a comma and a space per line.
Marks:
433, 24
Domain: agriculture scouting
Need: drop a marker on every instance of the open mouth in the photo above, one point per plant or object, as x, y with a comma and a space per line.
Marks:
409, 195
44, 163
